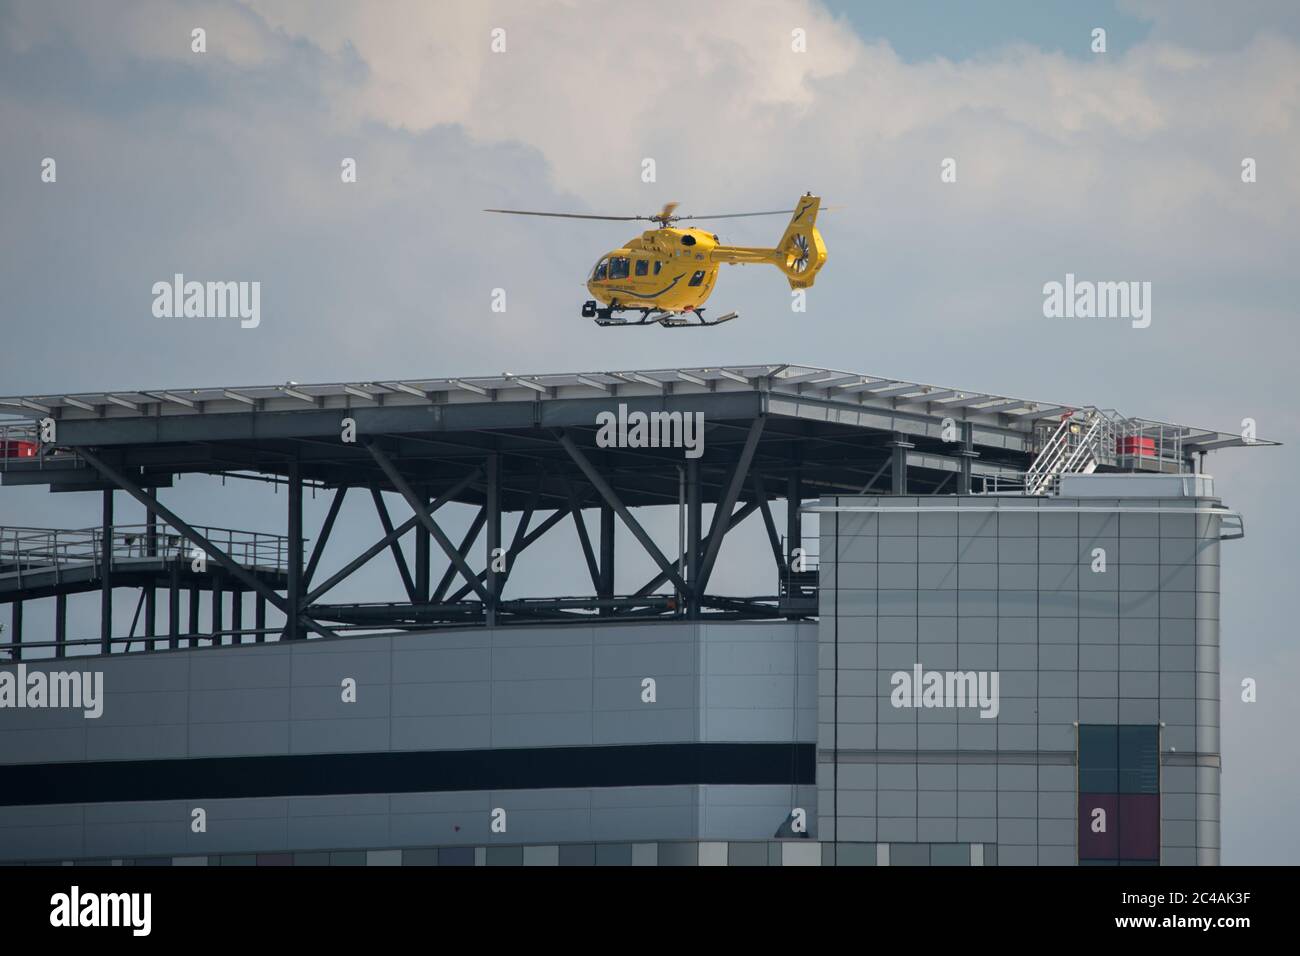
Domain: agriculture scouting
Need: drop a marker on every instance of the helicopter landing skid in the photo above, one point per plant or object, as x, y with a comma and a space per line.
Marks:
668, 320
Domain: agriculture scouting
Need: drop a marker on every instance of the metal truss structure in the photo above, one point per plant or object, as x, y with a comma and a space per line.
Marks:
522, 445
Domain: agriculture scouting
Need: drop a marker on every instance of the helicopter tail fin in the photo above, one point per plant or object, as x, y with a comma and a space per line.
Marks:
801, 252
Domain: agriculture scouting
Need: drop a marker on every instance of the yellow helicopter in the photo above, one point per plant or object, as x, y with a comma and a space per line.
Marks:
668, 273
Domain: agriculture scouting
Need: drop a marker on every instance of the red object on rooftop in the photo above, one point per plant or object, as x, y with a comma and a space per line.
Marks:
1136, 445
13, 448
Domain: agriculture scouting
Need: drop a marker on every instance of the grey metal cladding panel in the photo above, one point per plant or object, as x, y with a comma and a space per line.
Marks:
163, 742
646, 660
903, 524
426, 665
239, 704
42, 842
1014, 524
132, 674
748, 822
564, 636
359, 830
231, 668
740, 658
1139, 525
559, 695
654, 723
574, 728
441, 699
940, 524
937, 549
46, 718
625, 693
984, 550
753, 692
651, 822
457, 732
977, 523
43, 746
142, 708
324, 664
1139, 550
239, 738
354, 735
856, 549
524, 663
326, 701
769, 725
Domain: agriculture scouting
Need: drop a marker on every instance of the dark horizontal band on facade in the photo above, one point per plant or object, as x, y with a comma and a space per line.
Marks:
1005, 757
1029, 757
294, 775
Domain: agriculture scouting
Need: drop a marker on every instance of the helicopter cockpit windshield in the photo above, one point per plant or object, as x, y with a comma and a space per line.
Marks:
601, 270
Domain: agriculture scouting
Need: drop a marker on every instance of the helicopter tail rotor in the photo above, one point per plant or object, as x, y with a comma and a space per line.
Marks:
801, 252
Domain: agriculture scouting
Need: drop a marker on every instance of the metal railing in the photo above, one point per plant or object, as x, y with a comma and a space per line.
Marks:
1086, 439
31, 549
18, 442
1075, 447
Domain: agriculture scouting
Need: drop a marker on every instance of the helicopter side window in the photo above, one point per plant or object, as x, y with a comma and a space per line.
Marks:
658, 265
618, 267
642, 267
601, 270
697, 278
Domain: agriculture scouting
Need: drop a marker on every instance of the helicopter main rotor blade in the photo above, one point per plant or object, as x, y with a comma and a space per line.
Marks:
739, 215
565, 215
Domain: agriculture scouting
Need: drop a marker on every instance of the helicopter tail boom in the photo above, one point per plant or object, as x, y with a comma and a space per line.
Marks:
800, 252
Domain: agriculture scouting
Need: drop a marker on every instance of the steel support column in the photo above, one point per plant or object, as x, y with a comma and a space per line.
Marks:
422, 574
174, 602
193, 606
769, 523
968, 456
606, 588
898, 464
218, 579
293, 595
793, 520
493, 545
694, 513
151, 591
236, 614
16, 635
60, 625
106, 575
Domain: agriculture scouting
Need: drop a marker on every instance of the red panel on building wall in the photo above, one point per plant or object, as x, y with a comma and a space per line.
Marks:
1103, 845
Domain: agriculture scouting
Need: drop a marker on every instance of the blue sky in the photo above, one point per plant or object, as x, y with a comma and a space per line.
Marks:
960, 30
